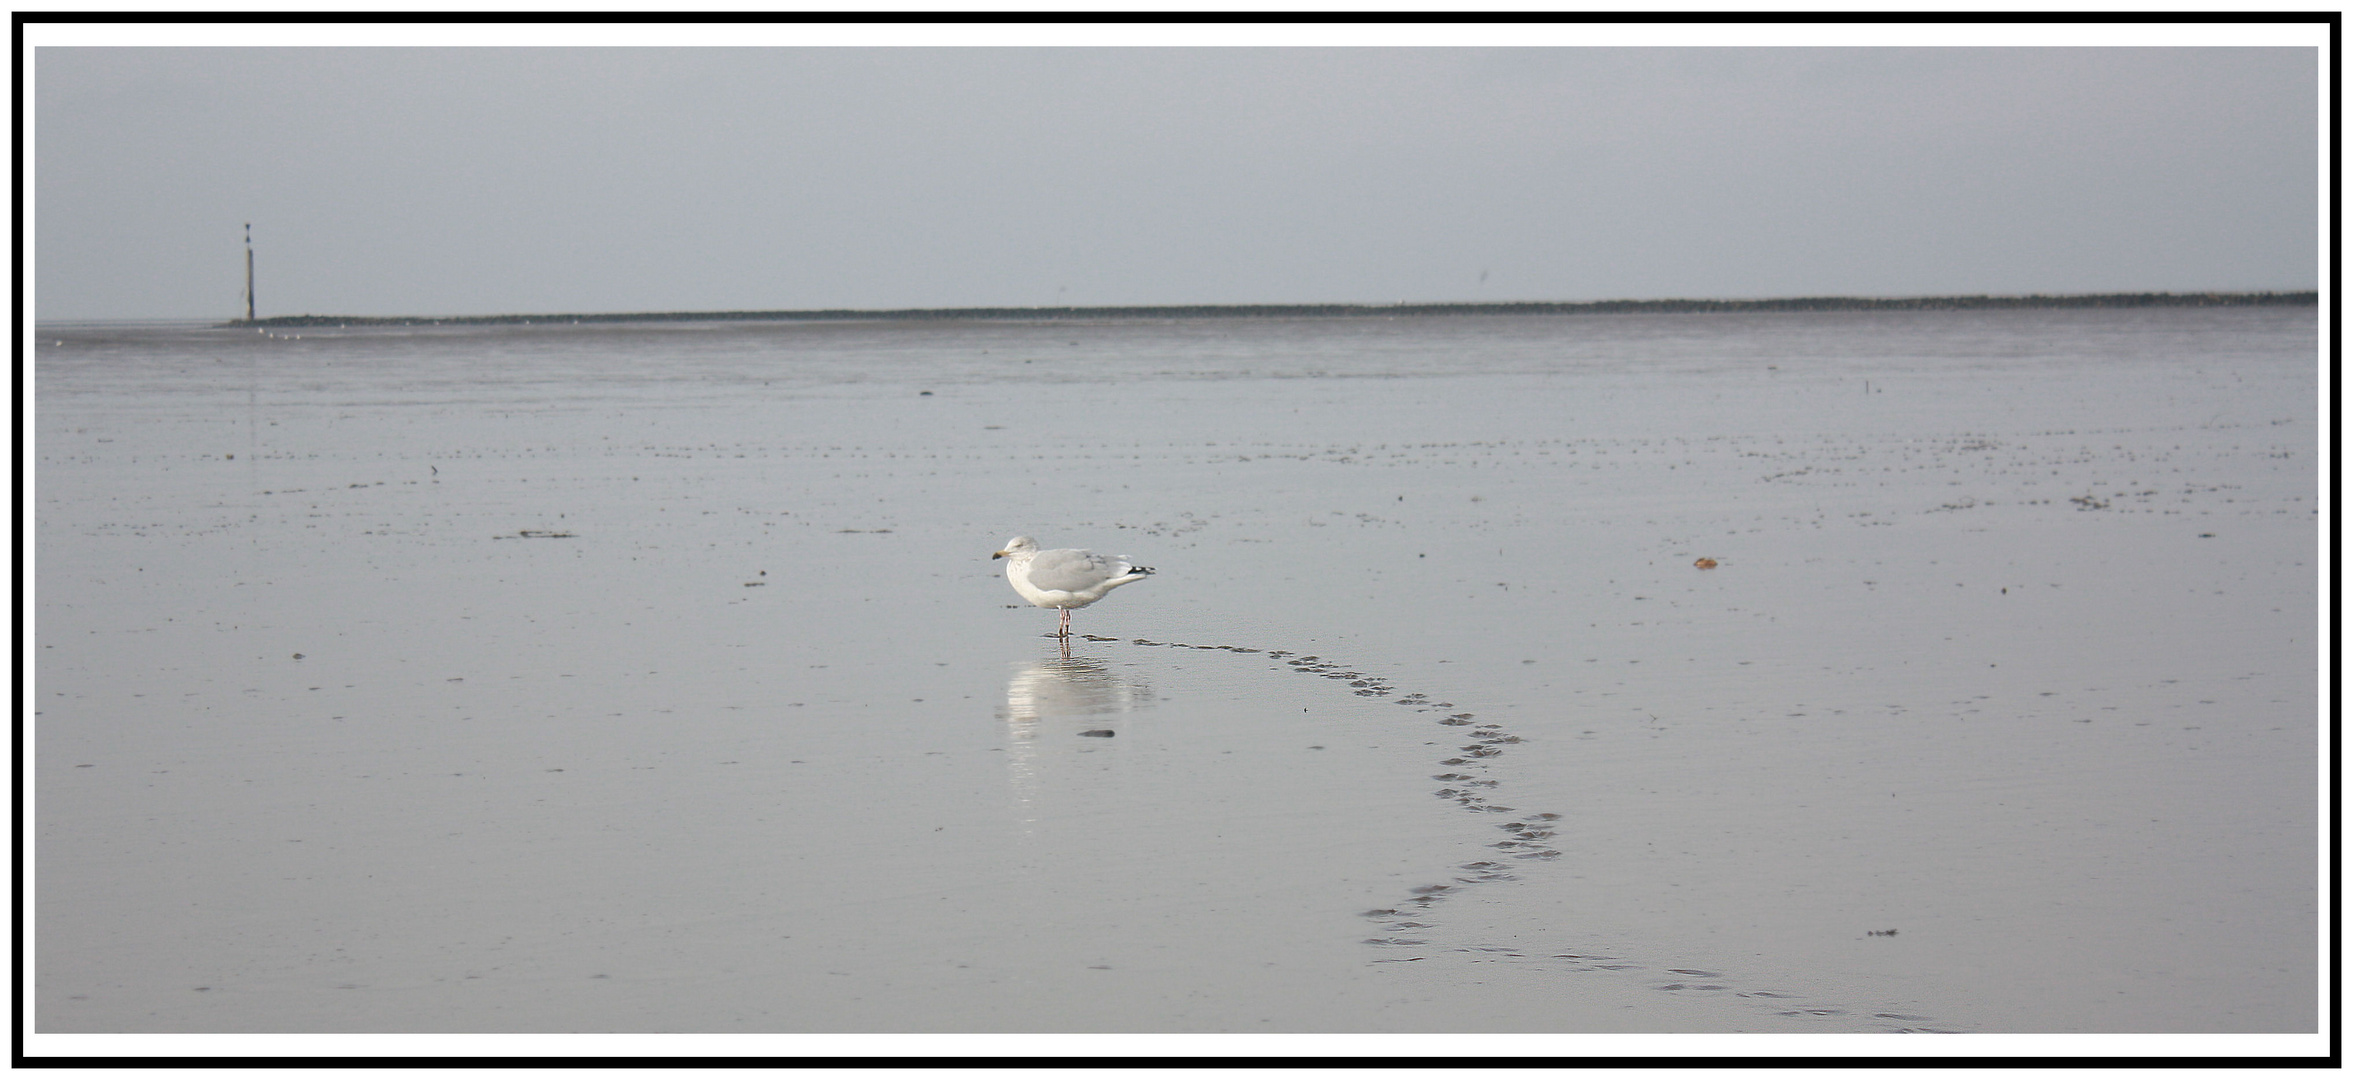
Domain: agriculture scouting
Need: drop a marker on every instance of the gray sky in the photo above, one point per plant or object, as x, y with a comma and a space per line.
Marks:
487, 180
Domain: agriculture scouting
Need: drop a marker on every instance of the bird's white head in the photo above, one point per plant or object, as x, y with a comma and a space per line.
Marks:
1019, 545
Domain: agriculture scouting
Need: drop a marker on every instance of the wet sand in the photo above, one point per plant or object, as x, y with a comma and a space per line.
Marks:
658, 679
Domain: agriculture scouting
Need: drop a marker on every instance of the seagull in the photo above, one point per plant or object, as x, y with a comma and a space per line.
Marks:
1064, 578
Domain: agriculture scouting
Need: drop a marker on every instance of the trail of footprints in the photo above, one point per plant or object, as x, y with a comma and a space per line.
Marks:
1526, 837
1465, 781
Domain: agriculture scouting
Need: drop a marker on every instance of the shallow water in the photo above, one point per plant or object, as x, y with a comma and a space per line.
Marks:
657, 678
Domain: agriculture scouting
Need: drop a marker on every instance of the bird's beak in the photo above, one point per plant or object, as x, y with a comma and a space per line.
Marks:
998, 555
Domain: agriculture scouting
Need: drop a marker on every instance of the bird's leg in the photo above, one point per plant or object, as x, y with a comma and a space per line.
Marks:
1065, 634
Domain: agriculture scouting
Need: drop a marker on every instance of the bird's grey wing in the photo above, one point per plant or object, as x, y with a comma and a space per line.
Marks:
1072, 570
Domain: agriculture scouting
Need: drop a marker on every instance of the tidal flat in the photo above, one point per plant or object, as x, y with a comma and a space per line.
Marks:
657, 679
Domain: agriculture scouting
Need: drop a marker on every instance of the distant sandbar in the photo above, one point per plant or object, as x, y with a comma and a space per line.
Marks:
1291, 311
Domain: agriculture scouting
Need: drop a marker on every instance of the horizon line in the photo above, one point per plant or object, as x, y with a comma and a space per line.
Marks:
1001, 313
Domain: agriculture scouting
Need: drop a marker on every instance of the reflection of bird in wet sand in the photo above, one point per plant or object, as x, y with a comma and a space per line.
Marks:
1064, 578
1059, 698
1068, 689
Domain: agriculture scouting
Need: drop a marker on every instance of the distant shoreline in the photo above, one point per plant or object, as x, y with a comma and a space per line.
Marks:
1289, 311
